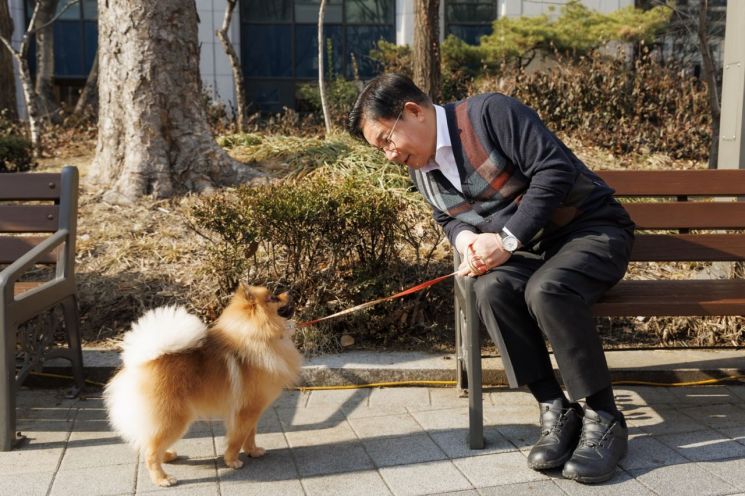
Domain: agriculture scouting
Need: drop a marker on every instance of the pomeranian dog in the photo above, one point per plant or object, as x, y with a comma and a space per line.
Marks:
176, 370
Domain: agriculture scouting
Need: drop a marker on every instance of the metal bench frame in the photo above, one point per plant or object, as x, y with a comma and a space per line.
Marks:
672, 241
19, 302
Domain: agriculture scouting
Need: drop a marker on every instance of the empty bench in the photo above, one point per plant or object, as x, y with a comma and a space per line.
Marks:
38, 218
691, 216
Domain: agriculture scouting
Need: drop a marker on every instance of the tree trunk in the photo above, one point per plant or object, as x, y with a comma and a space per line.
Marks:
321, 83
709, 73
8, 103
153, 136
45, 57
235, 65
427, 47
88, 99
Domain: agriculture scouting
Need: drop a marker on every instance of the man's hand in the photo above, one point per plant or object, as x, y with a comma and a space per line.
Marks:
484, 252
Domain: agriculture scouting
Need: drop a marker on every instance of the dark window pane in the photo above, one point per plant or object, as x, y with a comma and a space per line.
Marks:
307, 11
470, 34
266, 10
68, 48
471, 13
306, 50
70, 13
90, 9
362, 39
270, 96
90, 31
266, 50
370, 11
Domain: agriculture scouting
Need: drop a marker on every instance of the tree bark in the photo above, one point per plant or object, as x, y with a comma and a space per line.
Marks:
8, 102
153, 135
709, 73
427, 47
88, 99
321, 80
44, 28
235, 65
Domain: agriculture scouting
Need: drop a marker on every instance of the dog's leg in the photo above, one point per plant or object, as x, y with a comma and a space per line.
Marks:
169, 456
243, 424
249, 445
155, 454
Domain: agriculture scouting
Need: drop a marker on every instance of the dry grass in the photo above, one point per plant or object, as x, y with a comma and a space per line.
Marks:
134, 258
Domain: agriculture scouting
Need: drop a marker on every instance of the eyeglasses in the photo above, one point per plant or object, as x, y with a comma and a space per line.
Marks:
388, 144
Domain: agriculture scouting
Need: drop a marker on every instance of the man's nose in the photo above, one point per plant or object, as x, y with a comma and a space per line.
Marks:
391, 154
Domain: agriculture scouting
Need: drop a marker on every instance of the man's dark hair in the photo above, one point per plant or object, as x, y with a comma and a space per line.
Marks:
383, 98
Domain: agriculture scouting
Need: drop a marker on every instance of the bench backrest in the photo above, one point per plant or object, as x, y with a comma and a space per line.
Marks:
681, 201
33, 204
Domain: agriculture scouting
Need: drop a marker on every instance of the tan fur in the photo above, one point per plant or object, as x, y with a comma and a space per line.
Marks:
196, 383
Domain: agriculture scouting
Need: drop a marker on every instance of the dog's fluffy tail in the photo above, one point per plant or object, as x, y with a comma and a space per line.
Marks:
161, 331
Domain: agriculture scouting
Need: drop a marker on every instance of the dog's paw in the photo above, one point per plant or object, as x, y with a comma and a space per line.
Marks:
167, 481
256, 452
236, 463
169, 456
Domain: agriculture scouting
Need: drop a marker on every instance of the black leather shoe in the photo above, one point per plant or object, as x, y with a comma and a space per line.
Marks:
603, 443
560, 429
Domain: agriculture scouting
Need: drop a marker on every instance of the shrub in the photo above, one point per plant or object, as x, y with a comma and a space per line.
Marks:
336, 242
340, 96
15, 154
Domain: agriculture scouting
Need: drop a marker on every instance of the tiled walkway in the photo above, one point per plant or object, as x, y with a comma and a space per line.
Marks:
408, 441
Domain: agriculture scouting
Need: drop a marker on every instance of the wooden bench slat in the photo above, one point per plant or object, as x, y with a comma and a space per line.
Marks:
688, 248
687, 215
672, 298
13, 247
676, 182
30, 186
28, 218
22, 287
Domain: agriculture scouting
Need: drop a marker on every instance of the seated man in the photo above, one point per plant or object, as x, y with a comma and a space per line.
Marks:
542, 234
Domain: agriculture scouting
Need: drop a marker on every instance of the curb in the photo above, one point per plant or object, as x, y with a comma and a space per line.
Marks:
664, 367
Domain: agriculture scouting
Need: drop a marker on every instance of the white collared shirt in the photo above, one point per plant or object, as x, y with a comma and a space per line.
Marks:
444, 158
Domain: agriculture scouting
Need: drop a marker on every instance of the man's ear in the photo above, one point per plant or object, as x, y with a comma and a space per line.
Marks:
414, 109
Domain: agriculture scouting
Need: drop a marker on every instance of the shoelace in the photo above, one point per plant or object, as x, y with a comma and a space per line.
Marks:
560, 421
589, 439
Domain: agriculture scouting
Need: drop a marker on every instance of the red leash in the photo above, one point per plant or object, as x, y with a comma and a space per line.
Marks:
405, 292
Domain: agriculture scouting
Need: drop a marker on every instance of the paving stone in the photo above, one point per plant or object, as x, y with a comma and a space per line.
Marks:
310, 418
504, 397
195, 476
734, 433
467, 492
273, 474
404, 450
630, 397
393, 425
622, 484
341, 433
686, 479
291, 399
331, 459
497, 469
424, 478
98, 480
522, 436
661, 420
96, 449
25, 483
365, 411
738, 391
444, 398
512, 414
41, 452
338, 397
362, 483
717, 415
389, 397
704, 445
454, 442
647, 452
533, 488
443, 419
732, 471
703, 395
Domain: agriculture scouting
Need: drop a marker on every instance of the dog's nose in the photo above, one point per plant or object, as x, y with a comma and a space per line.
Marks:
286, 311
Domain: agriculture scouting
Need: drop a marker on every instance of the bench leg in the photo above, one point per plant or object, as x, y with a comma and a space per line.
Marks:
72, 328
8, 437
472, 344
461, 375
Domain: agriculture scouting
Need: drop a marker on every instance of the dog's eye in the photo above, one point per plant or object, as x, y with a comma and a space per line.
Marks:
272, 298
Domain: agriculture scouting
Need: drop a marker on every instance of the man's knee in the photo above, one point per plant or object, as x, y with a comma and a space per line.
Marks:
542, 294
495, 290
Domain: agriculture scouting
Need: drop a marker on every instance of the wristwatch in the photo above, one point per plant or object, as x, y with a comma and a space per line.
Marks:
509, 241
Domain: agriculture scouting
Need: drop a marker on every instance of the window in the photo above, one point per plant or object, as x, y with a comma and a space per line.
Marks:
279, 43
469, 20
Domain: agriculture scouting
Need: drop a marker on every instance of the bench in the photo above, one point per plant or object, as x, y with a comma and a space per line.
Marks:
31, 204
680, 216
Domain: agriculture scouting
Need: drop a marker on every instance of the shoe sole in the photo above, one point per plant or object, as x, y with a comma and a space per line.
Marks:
598, 478
552, 464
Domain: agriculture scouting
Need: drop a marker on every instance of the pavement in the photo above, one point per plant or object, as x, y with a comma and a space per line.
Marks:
399, 441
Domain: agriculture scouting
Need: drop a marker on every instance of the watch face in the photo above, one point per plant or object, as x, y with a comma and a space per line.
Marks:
509, 243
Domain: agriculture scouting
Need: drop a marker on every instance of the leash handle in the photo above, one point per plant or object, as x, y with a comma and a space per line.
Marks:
405, 292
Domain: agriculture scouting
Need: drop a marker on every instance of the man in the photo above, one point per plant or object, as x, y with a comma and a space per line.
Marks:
544, 238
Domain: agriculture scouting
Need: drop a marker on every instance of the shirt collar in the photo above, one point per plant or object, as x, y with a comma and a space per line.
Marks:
443, 137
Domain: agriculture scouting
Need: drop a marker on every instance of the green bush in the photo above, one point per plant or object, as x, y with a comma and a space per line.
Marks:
340, 96
335, 241
15, 154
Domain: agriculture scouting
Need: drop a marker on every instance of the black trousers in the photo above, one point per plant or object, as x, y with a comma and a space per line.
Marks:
550, 292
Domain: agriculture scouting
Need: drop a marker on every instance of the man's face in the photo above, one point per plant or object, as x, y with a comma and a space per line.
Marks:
409, 139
